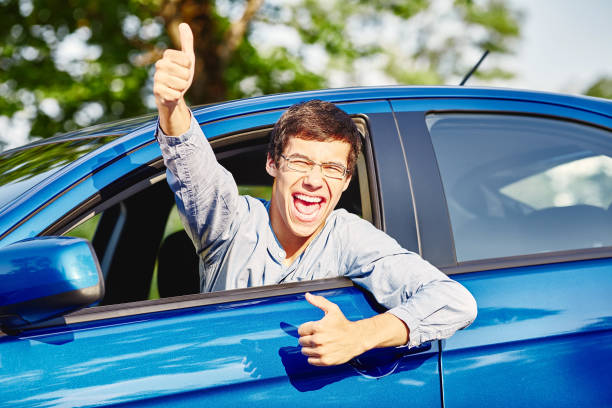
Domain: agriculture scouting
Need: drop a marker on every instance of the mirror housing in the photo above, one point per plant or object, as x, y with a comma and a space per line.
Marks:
45, 277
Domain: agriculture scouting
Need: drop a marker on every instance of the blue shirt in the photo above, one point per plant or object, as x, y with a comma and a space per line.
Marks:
238, 248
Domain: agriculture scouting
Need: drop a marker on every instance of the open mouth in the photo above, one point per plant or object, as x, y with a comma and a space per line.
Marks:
307, 207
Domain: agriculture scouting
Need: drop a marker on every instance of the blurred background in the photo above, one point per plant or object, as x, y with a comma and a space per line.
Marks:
66, 64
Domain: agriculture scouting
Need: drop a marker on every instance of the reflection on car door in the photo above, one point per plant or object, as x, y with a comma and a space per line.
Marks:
240, 349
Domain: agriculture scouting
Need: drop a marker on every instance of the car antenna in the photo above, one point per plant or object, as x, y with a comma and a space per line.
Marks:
469, 74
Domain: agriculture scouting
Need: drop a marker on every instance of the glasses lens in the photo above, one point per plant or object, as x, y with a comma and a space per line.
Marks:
300, 164
333, 171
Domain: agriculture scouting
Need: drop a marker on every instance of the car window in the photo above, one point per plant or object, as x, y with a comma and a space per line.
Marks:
519, 185
142, 247
25, 167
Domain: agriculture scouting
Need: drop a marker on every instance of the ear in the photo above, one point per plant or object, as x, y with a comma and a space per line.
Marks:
346, 183
271, 166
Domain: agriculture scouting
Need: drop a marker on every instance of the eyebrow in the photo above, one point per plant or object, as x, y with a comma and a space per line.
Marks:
301, 156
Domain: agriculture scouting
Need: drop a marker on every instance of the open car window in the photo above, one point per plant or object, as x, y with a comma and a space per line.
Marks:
140, 242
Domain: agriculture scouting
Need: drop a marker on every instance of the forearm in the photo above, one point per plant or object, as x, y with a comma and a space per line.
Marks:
383, 330
206, 194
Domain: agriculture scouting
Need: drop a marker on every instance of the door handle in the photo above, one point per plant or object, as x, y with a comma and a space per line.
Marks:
377, 363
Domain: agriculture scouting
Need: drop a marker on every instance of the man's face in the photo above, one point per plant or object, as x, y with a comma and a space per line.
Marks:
301, 202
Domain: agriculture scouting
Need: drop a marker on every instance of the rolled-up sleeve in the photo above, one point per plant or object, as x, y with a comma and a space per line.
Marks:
431, 304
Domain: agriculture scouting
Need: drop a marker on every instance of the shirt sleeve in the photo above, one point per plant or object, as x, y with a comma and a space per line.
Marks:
431, 304
205, 192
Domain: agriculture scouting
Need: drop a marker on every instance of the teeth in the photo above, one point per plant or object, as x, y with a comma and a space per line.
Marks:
308, 199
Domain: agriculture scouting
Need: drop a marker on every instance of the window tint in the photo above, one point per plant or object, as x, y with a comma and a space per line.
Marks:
520, 185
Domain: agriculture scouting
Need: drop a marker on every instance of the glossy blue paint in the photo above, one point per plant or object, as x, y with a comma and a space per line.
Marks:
280, 101
213, 128
72, 175
541, 338
197, 356
544, 107
46, 269
416, 98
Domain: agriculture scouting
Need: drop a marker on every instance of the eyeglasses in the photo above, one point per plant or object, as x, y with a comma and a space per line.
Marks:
305, 165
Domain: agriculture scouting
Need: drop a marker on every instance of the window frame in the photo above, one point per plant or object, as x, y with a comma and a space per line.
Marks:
514, 261
154, 172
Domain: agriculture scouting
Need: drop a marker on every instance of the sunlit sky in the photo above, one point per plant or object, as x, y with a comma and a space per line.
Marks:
565, 46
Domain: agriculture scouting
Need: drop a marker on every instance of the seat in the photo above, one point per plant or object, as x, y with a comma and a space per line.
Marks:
177, 266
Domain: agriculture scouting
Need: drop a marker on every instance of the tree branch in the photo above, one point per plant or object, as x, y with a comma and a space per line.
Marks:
236, 32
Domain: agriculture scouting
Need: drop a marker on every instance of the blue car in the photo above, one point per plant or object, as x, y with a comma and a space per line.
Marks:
509, 192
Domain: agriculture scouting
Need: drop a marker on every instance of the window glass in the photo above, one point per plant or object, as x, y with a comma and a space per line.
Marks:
85, 229
520, 185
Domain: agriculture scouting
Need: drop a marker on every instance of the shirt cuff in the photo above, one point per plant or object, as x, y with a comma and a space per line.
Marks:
175, 140
415, 337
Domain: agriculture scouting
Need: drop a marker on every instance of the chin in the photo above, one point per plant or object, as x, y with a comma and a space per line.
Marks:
305, 231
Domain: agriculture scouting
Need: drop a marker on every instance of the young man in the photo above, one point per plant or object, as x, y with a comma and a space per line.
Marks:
298, 235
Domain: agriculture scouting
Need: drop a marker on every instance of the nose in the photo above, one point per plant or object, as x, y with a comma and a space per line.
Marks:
314, 178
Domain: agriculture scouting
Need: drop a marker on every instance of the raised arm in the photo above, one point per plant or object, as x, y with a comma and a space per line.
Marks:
206, 194
173, 77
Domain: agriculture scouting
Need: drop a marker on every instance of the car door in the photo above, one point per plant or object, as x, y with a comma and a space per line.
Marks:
523, 191
226, 348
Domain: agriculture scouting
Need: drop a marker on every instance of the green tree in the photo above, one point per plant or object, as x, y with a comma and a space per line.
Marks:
601, 88
69, 63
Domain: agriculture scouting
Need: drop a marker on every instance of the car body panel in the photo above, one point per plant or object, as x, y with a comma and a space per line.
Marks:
542, 333
541, 337
196, 356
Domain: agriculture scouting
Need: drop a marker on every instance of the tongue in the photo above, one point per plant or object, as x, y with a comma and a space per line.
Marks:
305, 207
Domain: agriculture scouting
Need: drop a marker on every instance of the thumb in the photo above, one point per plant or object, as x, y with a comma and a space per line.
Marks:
186, 37
320, 302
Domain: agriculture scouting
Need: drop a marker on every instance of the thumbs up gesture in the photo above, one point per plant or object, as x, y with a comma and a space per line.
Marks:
173, 77
331, 340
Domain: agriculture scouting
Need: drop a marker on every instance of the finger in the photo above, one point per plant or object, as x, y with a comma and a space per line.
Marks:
166, 95
171, 81
315, 361
186, 38
306, 329
308, 341
168, 65
176, 57
320, 302
310, 352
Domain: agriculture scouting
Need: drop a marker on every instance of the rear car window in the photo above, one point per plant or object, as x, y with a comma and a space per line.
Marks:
518, 185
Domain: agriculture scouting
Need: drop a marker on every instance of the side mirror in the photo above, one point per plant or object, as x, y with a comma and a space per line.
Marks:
42, 278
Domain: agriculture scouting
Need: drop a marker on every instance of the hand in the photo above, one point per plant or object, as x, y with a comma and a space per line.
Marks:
173, 77
331, 340
174, 72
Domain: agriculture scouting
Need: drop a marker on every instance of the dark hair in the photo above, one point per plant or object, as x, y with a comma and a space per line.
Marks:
315, 120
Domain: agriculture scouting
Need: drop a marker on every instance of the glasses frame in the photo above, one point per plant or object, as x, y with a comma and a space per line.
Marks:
312, 165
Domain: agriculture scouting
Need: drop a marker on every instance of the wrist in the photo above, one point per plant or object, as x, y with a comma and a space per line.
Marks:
174, 120
366, 335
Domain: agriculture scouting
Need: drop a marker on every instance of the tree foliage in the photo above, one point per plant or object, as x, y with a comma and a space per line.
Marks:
601, 88
70, 63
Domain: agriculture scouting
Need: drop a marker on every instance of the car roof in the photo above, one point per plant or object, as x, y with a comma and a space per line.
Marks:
126, 135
